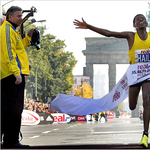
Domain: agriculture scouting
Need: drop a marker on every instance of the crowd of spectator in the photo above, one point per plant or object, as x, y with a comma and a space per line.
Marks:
36, 106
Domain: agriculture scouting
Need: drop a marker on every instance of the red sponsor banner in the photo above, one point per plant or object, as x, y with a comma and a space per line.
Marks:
110, 116
81, 118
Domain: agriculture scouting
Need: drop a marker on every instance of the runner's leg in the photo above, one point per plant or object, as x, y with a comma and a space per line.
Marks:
146, 105
133, 96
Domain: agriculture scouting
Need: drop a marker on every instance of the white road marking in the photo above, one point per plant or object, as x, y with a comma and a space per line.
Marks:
33, 137
55, 129
71, 126
116, 132
46, 132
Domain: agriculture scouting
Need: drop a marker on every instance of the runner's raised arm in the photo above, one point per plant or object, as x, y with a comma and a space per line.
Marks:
127, 35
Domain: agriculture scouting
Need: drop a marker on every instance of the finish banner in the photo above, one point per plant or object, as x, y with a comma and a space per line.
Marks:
73, 105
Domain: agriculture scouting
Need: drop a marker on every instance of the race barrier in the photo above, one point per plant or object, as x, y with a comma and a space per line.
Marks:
61, 118
110, 116
81, 118
32, 118
73, 118
46, 118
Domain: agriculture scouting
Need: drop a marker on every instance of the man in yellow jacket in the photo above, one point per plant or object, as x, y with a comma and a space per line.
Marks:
14, 68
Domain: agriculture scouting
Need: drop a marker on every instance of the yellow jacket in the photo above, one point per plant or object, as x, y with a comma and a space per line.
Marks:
14, 58
102, 112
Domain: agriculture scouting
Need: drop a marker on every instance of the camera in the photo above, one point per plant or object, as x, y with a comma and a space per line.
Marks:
36, 39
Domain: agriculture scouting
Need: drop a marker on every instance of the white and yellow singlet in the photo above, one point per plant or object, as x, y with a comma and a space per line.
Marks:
140, 51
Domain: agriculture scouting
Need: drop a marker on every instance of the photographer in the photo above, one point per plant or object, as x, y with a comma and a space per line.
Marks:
14, 68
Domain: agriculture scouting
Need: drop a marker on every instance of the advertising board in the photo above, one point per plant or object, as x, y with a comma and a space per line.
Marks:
46, 118
110, 116
61, 118
30, 118
81, 118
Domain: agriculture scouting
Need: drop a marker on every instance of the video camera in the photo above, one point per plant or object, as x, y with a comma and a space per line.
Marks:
36, 39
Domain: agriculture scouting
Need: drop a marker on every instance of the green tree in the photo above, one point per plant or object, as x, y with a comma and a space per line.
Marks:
54, 74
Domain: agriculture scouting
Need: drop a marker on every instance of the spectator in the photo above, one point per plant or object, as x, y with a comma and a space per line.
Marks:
30, 104
103, 114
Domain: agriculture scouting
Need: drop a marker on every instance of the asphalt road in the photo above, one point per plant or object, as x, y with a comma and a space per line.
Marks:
114, 131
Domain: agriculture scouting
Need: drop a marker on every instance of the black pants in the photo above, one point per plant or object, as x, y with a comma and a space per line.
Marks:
12, 102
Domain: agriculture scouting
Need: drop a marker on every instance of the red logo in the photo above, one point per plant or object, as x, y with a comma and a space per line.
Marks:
30, 118
145, 52
145, 66
123, 82
61, 118
110, 116
81, 118
116, 96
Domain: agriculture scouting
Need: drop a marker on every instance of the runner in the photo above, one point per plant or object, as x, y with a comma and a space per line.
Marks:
139, 44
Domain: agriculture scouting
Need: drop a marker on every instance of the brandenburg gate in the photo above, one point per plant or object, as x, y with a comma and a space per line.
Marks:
102, 50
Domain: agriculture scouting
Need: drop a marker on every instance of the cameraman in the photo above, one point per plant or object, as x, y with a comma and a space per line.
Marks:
14, 68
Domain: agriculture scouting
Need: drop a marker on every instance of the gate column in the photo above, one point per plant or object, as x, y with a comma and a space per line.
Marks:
112, 76
88, 71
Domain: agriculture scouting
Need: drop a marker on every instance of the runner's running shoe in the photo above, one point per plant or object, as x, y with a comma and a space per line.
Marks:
144, 141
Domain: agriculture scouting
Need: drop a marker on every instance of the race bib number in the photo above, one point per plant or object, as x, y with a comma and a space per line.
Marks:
142, 56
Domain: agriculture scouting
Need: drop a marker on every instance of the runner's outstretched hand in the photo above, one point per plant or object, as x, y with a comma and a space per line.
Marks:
80, 25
